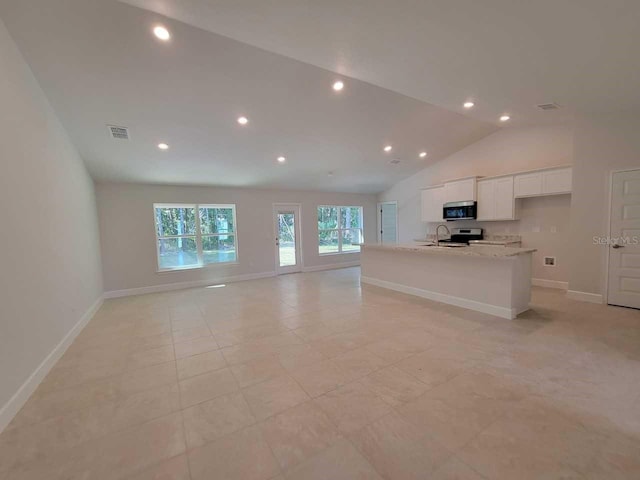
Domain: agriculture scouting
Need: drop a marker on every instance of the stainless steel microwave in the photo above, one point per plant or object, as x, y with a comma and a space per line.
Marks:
460, 210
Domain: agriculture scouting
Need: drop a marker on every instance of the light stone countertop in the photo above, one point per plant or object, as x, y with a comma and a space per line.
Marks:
489, 251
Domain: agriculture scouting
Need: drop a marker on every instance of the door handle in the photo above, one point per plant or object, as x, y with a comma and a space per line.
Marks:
277, 241
615, 245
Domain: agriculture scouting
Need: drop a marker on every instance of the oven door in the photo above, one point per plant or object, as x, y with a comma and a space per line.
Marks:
459, 210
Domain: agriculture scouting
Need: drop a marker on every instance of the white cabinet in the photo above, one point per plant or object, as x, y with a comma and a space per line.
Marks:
495, 199
432, 200
556, 181
545, 182
460, 190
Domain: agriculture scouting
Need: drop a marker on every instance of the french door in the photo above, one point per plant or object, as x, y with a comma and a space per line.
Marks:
287, 238
624, 248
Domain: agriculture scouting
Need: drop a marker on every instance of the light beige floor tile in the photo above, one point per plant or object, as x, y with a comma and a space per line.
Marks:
135, 450
206, 386
191, 334
201, 363
243, 455
455, 469
320, 378
397, 449
339, 462
352, 406
148, 377
292, 357
210, 420
358, 363
430, 369
151, 341
176, 468
274, 396
314, 331
42, 406
146, 405
148, 357
299, 433
394, 386
194, 347
258, 370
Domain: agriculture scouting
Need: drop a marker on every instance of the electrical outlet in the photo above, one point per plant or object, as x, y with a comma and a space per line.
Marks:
554, 229
549, 261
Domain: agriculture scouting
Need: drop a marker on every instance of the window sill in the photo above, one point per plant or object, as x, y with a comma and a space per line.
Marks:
196, 267
336, 253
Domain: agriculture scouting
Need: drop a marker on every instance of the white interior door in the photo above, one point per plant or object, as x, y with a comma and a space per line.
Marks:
287, 238
624, 254
388, 222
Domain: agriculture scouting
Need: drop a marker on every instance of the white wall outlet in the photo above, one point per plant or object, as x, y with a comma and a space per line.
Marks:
549, 261
554, 229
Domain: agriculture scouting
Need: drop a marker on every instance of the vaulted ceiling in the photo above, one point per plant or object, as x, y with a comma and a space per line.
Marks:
407, 66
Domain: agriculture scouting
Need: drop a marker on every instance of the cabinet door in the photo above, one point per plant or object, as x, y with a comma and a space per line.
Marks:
432, 204
486, 199
556, 181
504, 200
460, 190
528, 184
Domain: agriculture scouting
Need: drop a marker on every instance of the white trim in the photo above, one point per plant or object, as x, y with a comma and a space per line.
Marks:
585, 296
15, 403
503, 312
331, 266
165, 287
542, 282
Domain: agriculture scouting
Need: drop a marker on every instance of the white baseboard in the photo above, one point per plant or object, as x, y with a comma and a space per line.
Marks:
585, 296
502, 312
331, 266
541, 282
15, 403
165, 287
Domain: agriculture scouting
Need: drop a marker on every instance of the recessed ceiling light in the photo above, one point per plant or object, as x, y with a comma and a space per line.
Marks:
468, 104
388, 148
505, 118
282, 159
162, 33
163, 146
243, 120
423, 154
339, 85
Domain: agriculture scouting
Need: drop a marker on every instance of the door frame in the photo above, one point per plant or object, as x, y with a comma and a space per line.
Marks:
609, 205
379, 216
297, 207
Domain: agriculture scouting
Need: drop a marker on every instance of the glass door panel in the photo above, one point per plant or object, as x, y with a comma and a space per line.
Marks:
287, 238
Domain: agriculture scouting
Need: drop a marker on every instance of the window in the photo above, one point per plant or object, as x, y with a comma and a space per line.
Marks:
339, 229
185, 239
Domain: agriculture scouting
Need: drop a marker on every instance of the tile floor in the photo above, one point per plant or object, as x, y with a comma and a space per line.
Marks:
308, 376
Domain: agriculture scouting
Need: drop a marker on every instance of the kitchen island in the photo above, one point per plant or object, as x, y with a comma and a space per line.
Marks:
486, 278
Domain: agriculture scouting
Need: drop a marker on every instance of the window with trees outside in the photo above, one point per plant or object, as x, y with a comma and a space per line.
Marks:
191, 236
339, 229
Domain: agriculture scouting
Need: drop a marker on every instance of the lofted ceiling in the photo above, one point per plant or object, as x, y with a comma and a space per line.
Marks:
506, 55
99, 64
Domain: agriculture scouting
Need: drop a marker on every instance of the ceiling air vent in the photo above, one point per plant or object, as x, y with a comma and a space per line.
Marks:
395, 161
549, 106
119, 133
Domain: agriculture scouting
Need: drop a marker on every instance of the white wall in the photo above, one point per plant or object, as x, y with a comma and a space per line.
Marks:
543, 222
49, 247
128, 235
602, 143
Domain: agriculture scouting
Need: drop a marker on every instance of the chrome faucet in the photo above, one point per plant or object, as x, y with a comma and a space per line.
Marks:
438, 235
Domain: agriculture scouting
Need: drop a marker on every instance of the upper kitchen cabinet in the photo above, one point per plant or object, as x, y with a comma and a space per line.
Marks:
495, 199
460, 190
553, 181
432, 201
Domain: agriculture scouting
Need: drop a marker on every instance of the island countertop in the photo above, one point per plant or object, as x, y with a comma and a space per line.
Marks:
488, 251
